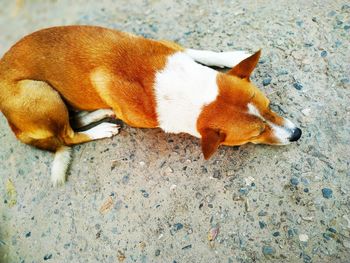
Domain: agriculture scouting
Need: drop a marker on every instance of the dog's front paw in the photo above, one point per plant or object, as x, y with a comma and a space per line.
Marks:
103, 130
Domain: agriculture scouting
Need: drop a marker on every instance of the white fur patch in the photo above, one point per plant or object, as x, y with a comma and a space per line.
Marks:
103, 130
182, 88
282, 133
254, 111
60, 165
219, 59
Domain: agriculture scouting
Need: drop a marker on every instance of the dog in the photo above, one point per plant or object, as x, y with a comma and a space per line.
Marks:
144, 82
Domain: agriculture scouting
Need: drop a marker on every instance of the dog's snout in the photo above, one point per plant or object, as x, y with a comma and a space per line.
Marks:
295, 135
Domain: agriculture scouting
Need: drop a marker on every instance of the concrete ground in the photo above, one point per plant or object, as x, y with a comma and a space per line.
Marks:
147, 196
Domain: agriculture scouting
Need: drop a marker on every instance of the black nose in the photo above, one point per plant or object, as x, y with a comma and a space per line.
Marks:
296, 135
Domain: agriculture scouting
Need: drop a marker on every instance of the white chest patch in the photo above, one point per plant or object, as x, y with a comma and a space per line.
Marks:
182, 88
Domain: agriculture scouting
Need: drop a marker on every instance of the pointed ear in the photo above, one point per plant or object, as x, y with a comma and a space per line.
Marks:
211, 140
245, 67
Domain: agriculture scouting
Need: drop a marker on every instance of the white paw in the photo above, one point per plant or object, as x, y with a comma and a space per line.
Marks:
103, 130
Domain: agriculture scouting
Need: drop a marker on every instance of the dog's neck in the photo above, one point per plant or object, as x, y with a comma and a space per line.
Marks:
182, 89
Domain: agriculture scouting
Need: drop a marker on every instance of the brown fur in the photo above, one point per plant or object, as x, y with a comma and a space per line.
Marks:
90, 68
55, 63
226, 121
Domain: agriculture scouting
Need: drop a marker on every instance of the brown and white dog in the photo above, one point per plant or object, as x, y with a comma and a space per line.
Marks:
145, 83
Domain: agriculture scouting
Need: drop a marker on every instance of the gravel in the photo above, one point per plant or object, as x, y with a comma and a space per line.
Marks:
273, 204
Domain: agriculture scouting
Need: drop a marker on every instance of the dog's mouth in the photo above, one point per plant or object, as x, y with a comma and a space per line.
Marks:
287, 133
274, 134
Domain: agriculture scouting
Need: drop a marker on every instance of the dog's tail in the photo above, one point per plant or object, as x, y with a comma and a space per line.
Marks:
60, 165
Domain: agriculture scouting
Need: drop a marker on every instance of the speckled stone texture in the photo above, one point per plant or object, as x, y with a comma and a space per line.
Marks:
147, 196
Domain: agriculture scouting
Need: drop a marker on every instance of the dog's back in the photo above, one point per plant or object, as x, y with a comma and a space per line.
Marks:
66, 56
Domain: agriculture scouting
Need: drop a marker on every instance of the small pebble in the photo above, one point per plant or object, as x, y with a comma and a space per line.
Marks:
346, 244
154, 28
121, 256
262, 60
47, 256
267, 81
345, 80
338, 43
28, 234
267, 250
144, 193
326, 236
98, 234
282, 72
125, 179
332, 13
249, 180
345, 7
307, 218
308, 44
157, 253
213, 232
307, 258
299, 22
331, 229
169, 170
217, 174
243, 191
187, 247
290, 233
178, 226
306, 190
339, 22
327, 193
303, 237
66, 246
324, 53
262, 224
306, 111
276, 234
262, 213
294, 181
297, 85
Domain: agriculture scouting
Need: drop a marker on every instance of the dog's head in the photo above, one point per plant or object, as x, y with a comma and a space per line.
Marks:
241, 113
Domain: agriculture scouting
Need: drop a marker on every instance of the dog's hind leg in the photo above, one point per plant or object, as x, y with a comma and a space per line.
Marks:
217, 59
84, 118
38, 116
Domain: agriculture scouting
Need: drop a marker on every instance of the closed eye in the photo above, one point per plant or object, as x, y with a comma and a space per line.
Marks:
261, 130
252, 97
263, 127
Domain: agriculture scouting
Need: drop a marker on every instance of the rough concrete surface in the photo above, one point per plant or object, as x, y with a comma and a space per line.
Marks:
147, 196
